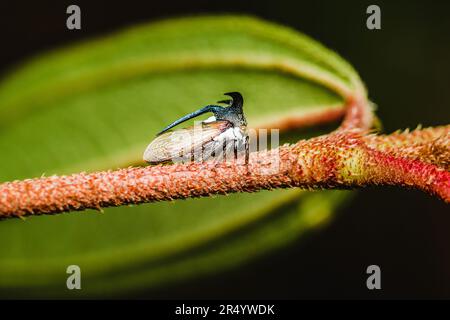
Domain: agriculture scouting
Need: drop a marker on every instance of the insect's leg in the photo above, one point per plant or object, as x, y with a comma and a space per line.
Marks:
192, 152
202, 155
224, 147
247, 150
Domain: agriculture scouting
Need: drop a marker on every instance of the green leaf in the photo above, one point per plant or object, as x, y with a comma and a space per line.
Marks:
96, 106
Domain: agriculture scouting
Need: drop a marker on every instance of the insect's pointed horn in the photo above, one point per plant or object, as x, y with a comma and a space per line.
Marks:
208, 108
238, 100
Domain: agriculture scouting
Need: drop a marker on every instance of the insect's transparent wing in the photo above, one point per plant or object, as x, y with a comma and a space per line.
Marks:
184, 144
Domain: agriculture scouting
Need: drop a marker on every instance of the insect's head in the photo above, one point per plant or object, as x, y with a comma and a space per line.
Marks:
237, 101
232, 113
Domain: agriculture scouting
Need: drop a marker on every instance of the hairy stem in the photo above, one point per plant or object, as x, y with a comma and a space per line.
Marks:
344, 159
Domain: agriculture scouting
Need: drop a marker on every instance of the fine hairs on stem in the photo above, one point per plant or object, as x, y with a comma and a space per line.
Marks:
350, 157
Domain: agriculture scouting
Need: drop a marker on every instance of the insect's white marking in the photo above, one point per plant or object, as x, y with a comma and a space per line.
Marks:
238, 133
230, 134
210, 119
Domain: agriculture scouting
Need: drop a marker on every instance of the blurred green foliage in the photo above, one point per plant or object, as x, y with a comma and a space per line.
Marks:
96, 106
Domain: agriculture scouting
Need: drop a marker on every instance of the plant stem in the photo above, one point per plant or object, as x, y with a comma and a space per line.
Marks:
344, 159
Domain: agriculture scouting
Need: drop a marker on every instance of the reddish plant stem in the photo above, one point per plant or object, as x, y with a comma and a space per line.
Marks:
358, 115
431, 145
383, 169
346, 158
338, 160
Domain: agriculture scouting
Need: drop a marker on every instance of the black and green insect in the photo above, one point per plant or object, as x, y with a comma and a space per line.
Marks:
217, 137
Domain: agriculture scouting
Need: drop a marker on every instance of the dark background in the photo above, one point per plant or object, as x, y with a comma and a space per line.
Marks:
407, 71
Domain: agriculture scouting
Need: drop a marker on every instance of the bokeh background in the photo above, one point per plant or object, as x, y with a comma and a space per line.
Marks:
406, 68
